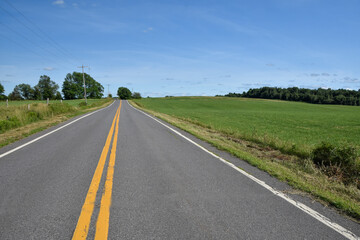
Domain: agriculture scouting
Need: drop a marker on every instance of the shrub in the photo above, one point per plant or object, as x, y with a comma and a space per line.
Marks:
82, 104
327, 154
58, 108
339, 162
9, 123
33, 116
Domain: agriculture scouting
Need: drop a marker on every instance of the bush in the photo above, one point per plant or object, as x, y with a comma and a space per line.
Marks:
33, 116
339, 162
82, 104
58, 108
11, 122
327, 154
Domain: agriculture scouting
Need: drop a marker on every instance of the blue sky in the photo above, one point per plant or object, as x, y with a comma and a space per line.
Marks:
183, 47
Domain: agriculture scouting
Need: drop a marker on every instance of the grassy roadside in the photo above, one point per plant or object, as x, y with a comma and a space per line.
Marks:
18, 122
298, 172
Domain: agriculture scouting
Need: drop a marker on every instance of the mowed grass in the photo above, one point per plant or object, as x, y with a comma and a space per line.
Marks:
291, 127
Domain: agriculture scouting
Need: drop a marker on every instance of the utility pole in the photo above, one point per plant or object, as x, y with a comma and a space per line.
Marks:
82, 66
108, 89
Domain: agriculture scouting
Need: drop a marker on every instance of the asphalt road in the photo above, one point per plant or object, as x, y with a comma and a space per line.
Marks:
149, 183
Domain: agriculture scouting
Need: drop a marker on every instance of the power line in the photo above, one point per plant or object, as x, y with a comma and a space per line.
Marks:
24, 26
35, 33
58, 46
23, 36
23, 46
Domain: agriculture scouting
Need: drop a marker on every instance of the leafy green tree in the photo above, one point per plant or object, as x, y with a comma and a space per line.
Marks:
26, 91
58, 96
15, 94
37, 93
136, 95
2, 90
124, 93
73, 87
47, 87
318, 96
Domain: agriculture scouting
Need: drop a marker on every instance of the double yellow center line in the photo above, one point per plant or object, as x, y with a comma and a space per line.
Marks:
102, 224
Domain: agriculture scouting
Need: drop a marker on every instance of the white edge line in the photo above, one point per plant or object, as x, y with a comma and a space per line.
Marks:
343, 231
55, 130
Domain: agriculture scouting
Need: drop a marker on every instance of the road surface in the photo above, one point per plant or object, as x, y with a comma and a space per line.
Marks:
120, 174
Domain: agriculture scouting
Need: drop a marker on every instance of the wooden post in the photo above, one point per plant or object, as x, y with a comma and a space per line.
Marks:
7, 102
28, 106
47, 101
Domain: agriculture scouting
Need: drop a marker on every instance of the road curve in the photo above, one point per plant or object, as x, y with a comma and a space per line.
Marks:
152, 184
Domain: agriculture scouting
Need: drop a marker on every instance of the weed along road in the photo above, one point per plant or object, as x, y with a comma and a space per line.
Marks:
121, 174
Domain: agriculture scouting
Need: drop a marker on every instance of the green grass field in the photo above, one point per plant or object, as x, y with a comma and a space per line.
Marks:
289, 126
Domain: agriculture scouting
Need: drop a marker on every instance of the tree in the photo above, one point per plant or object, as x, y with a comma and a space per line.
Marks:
37, 93
110, 95
26, 91
73, 87
58, 96
318, 96
124, 93
2, 90
136, 95
15, 94
47, 87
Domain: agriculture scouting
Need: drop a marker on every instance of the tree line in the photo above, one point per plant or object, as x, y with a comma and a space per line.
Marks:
72, 88
317, 96
125, 93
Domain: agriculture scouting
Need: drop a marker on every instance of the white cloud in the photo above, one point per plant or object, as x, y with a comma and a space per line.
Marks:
48, 68
59, 2
148, 29
351, 80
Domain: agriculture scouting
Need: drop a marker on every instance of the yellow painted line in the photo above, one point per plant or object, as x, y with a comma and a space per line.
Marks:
102, 224
82, 227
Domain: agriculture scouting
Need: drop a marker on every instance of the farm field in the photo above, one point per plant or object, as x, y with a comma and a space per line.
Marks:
291, 127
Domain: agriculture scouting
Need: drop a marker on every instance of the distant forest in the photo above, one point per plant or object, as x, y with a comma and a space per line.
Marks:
318, 96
